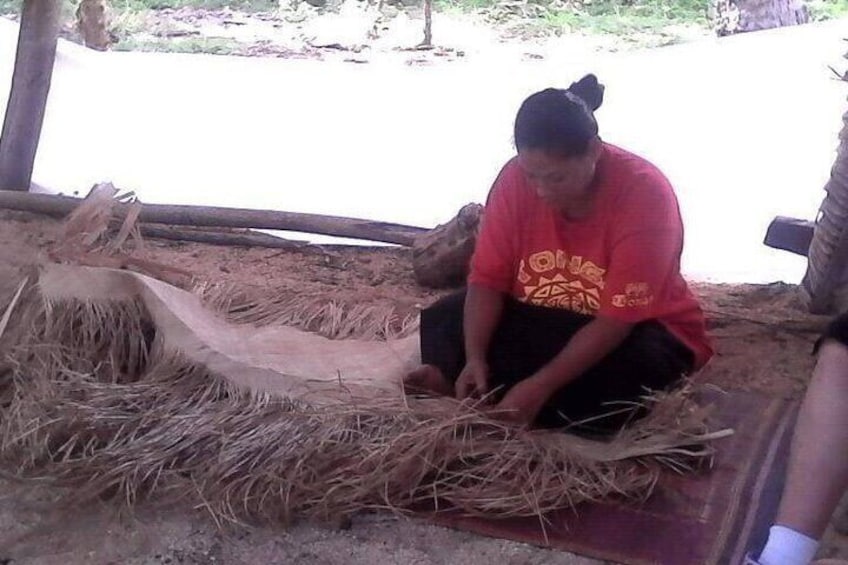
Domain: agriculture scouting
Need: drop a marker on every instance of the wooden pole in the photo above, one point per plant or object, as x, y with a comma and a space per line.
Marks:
245, 239
36, 53
428, 24
208, 216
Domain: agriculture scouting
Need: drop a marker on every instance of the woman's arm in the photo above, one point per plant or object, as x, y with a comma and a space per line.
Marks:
492, 274
483, 310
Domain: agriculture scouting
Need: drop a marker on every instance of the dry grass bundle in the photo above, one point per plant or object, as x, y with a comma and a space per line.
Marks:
95, 234
332, 319
87, 228
93, 400
114, 334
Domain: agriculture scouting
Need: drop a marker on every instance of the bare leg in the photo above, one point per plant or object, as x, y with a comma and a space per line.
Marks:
427, 378
818, 464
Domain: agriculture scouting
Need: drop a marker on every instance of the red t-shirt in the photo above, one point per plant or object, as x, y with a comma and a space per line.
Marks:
622, 261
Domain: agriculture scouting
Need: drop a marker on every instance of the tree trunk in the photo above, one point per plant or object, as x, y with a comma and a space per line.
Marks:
739, 16
428, 24
825, 283
93, 24
34, 60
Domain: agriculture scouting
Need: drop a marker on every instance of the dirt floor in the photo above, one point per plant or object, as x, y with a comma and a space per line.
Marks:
763, 336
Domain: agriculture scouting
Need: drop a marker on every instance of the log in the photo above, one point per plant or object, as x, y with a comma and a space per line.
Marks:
36, 53
441, 257
230, 238
209, 216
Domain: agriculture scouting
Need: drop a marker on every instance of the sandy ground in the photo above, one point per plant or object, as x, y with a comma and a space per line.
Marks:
763, 336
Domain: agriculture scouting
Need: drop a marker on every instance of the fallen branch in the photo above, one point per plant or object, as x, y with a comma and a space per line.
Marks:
234, 238
209, 216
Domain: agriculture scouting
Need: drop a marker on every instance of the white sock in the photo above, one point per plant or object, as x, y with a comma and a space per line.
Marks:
785, 546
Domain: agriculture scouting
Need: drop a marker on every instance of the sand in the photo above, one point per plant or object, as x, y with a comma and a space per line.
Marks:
763, 334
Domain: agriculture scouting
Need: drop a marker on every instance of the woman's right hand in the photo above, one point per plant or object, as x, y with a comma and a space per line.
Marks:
473, 381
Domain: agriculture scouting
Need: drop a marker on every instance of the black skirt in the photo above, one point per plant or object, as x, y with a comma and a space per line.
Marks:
528, 337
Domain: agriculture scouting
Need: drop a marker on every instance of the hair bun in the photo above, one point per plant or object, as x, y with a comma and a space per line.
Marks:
589, 90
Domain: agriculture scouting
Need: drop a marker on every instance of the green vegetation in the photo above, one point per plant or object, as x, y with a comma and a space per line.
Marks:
610, 17
631, 23
614, 17
211, 45
239, 5
121, 6
10, 6
821, 10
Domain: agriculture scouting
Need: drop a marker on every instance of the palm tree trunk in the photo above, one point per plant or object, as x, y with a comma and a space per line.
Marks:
826, 280
738, 16
36, 53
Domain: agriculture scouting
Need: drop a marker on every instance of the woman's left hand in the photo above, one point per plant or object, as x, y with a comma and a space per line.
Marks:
523, 402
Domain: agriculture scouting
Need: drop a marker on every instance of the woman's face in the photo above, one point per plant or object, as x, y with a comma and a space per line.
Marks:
560, 181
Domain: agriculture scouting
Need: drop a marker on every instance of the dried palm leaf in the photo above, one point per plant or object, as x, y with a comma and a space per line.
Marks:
104, 397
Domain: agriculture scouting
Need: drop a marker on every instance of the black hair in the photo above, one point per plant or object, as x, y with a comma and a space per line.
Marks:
558, 120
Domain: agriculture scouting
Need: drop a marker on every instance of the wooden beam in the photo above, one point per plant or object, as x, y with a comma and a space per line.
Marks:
790, 234
208, 216
428, 24
36, 53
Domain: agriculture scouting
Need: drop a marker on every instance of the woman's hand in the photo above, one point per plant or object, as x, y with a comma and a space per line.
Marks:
473, 381
522, 402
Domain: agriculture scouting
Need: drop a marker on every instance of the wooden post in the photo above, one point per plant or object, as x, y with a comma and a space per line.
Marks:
36, 53
428, 24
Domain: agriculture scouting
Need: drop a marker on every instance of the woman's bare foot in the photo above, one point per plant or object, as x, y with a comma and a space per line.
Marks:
427, 378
